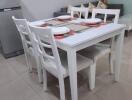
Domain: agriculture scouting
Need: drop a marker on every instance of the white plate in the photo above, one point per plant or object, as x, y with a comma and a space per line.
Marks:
77, 21
64, 17
92, 20
60, 30
37, 23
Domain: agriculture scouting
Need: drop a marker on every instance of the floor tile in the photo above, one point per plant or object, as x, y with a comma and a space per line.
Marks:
18, 90
7, 74
116, 91
18, 64
32, 80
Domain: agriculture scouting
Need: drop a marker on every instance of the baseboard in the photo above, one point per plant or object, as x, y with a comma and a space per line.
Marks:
13, 54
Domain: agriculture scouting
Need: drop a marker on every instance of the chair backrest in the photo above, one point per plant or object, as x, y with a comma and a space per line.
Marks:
24, 31
80, 10
46, 41
106, 12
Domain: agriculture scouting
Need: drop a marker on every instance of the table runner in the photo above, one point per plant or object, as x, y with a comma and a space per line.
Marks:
74, 27
54, 22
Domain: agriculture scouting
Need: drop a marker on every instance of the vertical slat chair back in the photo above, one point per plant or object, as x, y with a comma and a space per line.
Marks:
80, 11
106, 12
46, 40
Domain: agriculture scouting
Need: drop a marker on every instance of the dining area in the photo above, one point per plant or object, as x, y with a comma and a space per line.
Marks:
66, 45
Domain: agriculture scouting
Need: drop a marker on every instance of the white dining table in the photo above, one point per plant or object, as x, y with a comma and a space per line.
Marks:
90, 37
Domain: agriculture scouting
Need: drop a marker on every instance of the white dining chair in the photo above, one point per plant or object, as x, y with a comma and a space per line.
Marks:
56, 62
106, 13
28, 45
99, 50
81, 11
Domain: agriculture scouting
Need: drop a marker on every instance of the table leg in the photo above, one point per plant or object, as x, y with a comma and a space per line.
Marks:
118, 54
72, 65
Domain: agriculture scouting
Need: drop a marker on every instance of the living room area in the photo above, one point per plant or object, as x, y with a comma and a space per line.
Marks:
70, 50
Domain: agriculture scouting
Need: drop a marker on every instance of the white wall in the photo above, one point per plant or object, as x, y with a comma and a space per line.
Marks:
40, 9
127, 5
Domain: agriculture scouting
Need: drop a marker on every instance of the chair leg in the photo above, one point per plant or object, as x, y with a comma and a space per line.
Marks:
45, 80
92, 75
39, 70
111, 64
62, 87
40, 75
30, 69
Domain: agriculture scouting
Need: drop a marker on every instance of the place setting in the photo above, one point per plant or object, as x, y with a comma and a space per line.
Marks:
91, 22
61, 32
58, 21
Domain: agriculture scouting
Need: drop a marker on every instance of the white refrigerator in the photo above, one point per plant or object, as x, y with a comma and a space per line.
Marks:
10, 41
8, 3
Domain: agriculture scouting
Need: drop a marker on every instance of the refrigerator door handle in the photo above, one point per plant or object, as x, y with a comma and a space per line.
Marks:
8, 9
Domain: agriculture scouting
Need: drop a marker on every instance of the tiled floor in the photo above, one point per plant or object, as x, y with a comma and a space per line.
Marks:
17, 84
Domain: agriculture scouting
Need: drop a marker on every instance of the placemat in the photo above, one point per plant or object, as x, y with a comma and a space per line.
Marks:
54, 22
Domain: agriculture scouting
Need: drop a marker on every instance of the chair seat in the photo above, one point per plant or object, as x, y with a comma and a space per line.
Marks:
82, 63
95, 52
